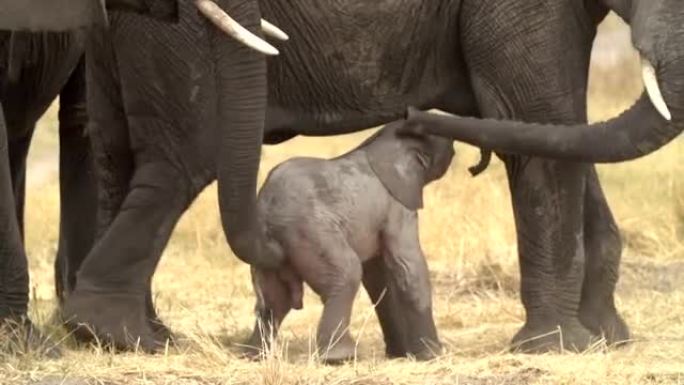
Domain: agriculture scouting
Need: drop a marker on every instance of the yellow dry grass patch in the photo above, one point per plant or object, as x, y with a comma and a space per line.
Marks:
467, 232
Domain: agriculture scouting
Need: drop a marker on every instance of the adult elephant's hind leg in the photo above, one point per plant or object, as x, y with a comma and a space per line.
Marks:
112, 285
14, 275
77, 183
548, 198
603, 249
14, 280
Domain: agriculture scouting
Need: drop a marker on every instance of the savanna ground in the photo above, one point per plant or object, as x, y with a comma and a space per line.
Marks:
467, 232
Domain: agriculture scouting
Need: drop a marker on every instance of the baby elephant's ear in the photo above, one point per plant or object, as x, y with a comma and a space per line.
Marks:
398, 167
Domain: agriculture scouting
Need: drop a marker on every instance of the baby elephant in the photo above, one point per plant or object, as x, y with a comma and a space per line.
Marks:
349, 220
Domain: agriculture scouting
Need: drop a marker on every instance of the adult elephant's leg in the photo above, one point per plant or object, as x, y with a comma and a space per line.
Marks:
111, 147
14, 281
539, 75
18, 152
78, 189
548, 197
113, 282
603, 249
111, 144
14, 276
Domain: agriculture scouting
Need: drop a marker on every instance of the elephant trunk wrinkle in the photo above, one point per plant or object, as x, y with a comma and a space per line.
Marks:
241, 104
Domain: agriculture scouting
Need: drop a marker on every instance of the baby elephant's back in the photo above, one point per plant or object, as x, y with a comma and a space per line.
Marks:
314, 195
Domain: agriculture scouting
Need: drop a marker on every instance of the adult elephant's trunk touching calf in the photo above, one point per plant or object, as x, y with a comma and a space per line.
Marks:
640, 130
240, 109
655, 119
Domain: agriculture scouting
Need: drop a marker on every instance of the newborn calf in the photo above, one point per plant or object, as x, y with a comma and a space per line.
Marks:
349, 220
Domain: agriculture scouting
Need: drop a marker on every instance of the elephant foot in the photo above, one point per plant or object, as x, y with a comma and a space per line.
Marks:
161, 331
427, 350
18, 335
339, 350
256, 346
537, 339
115, 320
607, 323
392, 352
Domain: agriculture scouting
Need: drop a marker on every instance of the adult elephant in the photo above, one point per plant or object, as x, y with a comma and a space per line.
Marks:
35, 67
355, 64
172, 106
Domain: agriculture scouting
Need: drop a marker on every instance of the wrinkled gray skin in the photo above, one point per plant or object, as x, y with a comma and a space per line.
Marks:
349, 65
345, 221
35, 68
172, 106
353, 64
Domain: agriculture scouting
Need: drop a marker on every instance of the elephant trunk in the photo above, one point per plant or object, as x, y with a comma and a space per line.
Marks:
653, 121
241, 105
645, 127
637, 132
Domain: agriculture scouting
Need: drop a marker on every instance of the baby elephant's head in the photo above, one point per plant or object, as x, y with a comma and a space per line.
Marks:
405, 163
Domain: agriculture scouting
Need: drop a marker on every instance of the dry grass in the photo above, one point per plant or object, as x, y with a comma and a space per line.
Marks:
468, 235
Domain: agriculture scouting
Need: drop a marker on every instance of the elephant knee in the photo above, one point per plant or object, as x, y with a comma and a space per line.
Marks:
351, 277
604, 247
158, 184
412, 283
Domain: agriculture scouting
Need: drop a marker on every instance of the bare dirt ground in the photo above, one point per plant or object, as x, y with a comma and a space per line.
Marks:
467, 232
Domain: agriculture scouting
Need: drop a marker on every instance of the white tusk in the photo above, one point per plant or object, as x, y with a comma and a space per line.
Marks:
273, 31
228, 25
651, 83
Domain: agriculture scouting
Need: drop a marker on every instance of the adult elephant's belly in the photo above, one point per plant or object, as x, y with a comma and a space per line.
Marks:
351, 65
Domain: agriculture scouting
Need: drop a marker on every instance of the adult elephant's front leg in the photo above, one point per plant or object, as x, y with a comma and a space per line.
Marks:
16, 328
603, 249
548, 200
112, 292
14, 279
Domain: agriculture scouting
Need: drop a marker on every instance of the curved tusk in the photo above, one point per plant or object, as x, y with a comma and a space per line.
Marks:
228, 25
648, 73
273, 31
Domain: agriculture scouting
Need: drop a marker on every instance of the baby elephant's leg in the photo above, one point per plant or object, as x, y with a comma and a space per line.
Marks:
335, 277
383, 294
409, 274
275, 298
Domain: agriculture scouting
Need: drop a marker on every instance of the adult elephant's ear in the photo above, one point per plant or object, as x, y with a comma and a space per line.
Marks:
50, 15
399, 167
